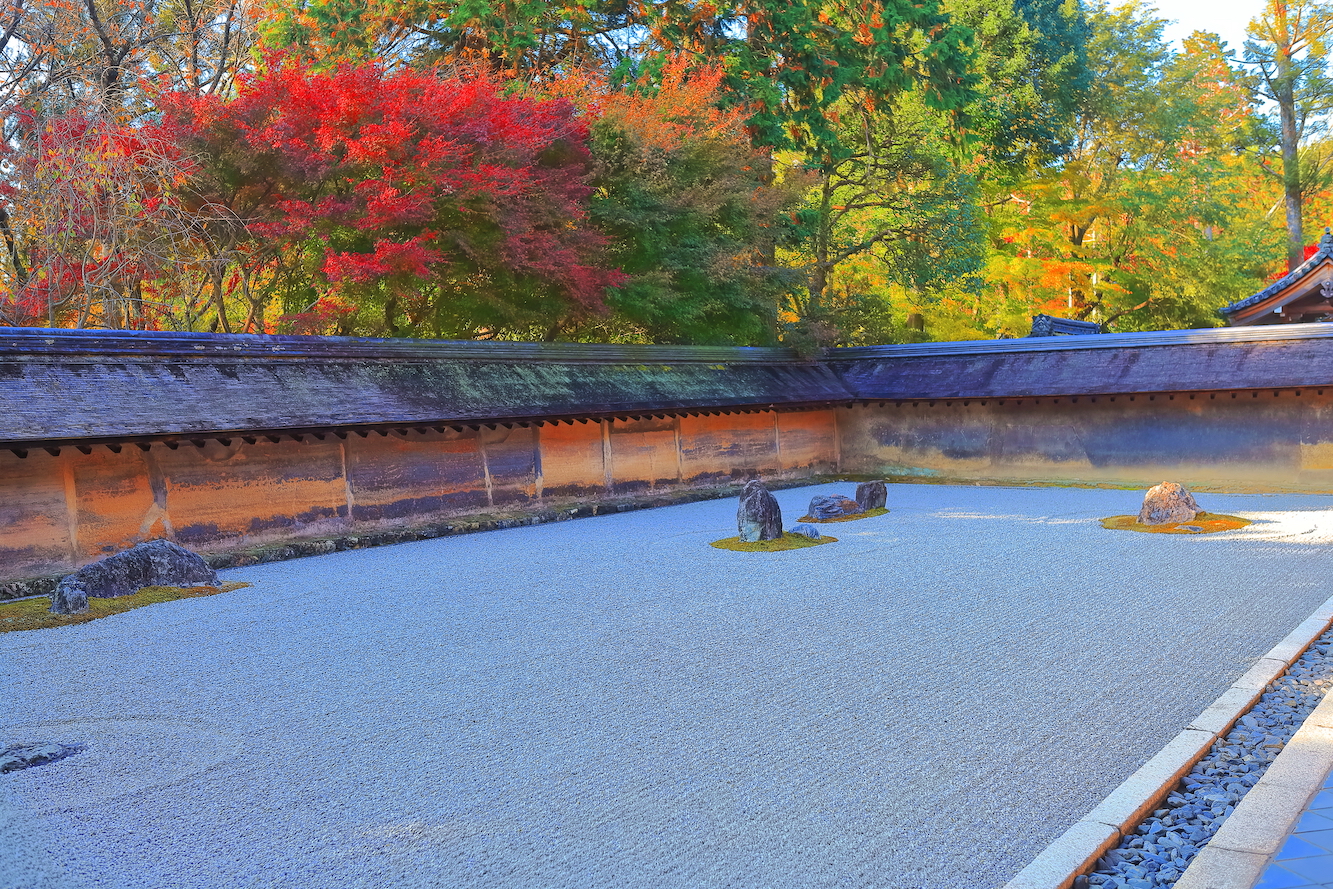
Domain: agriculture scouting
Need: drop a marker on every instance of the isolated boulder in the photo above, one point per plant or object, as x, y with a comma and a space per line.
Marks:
806, 531
759, 517
872, 495
155, 563
832, 506
1166, 504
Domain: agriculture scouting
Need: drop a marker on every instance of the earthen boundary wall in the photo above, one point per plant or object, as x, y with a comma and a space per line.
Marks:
63, 510
235, 444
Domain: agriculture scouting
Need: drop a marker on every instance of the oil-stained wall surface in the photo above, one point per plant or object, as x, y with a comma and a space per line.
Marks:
1278, 440
64, 510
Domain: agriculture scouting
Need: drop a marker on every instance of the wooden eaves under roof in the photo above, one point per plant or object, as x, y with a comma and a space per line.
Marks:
1303, 294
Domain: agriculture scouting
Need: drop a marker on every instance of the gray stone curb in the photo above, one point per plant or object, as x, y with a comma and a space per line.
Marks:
1077, 850
1243, 847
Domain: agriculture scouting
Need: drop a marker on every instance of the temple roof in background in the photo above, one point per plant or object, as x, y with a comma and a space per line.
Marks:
1303, 294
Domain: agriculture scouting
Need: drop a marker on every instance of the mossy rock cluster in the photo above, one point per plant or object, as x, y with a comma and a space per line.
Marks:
868, 514
785, 542
1203, 523
34, 614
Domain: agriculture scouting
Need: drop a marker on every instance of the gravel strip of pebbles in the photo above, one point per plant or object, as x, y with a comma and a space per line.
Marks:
1163, 846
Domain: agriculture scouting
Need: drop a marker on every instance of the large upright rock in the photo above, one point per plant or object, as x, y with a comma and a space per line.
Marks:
759, 517
1166, 504
833, 506
872, 495
155, 563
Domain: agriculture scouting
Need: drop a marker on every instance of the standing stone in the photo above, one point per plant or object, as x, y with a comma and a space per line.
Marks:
833, 506
759, 517
155, 563
1166, 504
872, 495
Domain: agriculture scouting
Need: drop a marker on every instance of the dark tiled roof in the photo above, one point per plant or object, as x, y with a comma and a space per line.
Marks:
1322, 253
79, 385
164, 344
1049, 325
1272, 357
68, 387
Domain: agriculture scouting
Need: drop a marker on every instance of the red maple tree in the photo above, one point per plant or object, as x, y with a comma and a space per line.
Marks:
395, 203
87, 221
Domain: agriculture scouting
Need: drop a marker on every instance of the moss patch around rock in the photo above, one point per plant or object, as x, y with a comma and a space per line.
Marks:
868, 514
785, 542
1206, 522
33, 614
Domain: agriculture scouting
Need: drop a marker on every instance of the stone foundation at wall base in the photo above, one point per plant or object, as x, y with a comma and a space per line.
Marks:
1137, 483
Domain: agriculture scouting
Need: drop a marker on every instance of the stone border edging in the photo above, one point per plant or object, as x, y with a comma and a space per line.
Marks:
1243, 847
1077, 850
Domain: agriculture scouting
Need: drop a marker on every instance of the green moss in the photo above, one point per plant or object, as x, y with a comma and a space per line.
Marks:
868, 514
785, 542
34, 614
1209, 522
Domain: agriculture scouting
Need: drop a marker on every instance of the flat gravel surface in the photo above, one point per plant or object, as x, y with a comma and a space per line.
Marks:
610, 702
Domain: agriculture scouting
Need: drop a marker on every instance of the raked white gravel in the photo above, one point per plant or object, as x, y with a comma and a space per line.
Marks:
610, 703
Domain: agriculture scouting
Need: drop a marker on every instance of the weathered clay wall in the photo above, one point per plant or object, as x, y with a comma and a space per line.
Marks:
1234, 441
61, 511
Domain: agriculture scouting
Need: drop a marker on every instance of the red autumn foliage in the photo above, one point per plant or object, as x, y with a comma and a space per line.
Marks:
87, 220
1310, 250
408, 189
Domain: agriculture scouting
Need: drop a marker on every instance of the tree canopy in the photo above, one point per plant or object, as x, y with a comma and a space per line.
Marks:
750, 171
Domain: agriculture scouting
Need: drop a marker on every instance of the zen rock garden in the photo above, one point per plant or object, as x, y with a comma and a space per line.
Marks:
779, 657
759, 518
1168, 508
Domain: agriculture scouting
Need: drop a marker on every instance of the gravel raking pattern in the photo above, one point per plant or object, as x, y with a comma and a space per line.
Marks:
1162, 847
612, 703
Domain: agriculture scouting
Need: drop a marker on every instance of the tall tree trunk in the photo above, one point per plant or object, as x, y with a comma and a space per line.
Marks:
819, 269
1291, 165
254, 319
767, 173
1077, 295
12, 247
217, 273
